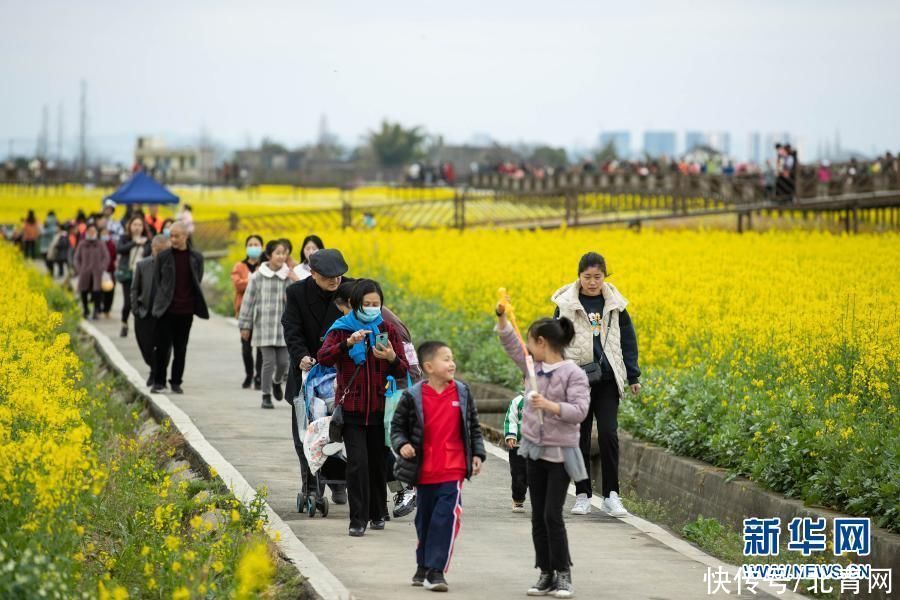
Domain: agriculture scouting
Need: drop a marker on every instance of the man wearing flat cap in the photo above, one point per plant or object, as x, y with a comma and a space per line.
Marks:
309, 312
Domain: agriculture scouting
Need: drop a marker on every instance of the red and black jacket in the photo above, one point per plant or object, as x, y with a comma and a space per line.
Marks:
366, 394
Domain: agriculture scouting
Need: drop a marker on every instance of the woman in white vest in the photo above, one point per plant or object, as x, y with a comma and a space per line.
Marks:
605, 346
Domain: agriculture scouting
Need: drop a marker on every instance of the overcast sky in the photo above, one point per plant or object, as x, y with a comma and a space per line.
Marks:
559, 72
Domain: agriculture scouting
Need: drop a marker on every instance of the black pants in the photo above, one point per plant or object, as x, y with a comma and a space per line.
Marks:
145, 334
548, 484
126, 301
172, 337
247, 355
60, 267
366, 487
605, 409
108, 298
96, 298
519, 473
29, 247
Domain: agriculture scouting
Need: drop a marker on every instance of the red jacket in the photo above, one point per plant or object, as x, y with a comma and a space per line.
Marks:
443, 452
366, 395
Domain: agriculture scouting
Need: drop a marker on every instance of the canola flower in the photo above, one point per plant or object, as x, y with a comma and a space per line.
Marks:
207, 203
90, 512
772, 354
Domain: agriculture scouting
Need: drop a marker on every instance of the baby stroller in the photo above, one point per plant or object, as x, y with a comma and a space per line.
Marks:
327, 461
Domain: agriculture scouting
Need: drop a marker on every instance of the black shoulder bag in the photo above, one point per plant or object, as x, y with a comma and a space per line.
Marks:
593, 370
336, 425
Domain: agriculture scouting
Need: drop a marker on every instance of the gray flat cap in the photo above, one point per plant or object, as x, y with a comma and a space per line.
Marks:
328, 263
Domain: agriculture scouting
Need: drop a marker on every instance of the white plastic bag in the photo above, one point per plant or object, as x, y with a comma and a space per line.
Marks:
316, 446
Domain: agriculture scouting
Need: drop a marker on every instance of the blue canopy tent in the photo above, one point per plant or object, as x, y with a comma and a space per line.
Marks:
142, 189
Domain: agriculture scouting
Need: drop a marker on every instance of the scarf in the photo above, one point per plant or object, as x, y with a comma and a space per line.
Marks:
351, 323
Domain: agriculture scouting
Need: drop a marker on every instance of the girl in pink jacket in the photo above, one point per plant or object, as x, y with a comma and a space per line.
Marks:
551, 429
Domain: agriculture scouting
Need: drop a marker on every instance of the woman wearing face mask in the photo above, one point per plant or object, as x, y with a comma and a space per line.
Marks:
240, 278
363, 366
167, 227
260, 315
90, 261
310, 246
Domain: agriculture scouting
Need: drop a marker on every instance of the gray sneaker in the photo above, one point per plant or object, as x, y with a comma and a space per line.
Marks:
435, 581
564, 587
404, 503
545, 585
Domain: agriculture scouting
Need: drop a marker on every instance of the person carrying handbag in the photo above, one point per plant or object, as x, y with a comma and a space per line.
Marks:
356, 346
605, 346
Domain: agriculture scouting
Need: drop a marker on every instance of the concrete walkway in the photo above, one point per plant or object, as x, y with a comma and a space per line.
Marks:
623, 559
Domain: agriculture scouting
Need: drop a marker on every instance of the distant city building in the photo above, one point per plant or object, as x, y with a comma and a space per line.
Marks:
659, 143
693, 139
720, 141
621, 141
270, 157
755, 151
191, 164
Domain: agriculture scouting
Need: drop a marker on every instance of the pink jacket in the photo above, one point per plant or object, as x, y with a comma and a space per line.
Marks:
567, 384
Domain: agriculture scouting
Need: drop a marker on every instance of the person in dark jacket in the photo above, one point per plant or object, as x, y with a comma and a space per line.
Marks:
133, 245
437, 437
178, 298
308, 314
404, 495
141, 298
91, 259
356, 348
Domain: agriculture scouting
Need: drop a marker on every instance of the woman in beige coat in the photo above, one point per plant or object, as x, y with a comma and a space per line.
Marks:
605, 346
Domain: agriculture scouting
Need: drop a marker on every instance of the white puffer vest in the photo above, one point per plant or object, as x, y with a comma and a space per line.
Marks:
581, 350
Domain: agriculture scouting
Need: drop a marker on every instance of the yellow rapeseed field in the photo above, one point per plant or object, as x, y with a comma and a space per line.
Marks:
774, 354
207, 202
85, 510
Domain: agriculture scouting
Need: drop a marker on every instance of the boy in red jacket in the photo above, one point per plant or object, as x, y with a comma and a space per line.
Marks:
437, 438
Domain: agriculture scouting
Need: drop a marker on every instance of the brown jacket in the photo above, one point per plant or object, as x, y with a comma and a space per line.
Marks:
91, 261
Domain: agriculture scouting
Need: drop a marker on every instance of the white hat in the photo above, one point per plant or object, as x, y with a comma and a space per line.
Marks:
109, 202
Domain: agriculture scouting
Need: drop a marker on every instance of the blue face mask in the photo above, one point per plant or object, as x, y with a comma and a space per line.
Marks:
367, 314
166, 232
254, 252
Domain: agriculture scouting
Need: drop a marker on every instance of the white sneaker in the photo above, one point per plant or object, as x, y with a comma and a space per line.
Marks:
582, 505
613, 506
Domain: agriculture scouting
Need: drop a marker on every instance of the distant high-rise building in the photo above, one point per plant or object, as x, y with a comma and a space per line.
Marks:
754, 147
659, 143
621, 141
720, 141
692, 139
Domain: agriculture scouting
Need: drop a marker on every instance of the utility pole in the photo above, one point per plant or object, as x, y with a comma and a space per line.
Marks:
44, 136
82, 133
59, 133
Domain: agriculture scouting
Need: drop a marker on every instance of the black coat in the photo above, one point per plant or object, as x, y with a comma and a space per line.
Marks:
308, 313
142, 287
164, 282
408, 425
123, 248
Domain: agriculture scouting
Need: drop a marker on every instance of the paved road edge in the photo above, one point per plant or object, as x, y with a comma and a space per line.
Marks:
323, 581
